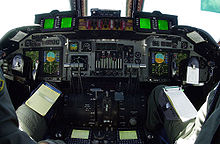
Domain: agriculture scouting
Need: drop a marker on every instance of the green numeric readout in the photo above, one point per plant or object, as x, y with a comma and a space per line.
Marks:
163, 25
66, 22
48, 23
145, 23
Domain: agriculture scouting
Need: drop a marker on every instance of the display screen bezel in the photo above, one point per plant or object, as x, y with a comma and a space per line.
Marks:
40, 71
165, 76
60, 61
171, 61
30, 50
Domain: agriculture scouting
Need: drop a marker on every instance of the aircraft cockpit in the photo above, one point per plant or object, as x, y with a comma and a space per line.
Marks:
104, 67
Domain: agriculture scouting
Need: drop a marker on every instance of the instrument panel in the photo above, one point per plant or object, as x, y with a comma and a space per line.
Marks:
156, 58
143, 47
105, 67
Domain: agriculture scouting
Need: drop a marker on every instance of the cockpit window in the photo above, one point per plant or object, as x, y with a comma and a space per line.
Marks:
192, 13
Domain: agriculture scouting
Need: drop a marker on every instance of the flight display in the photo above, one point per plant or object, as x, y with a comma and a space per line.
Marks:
34, 55
159, 64
51, 64
73, 46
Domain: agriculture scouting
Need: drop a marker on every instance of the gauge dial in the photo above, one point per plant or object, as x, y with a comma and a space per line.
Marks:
18, 63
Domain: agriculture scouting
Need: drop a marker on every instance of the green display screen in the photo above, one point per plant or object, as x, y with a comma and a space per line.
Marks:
126, 135
48, 23
66, 22
145, 23
162, 24
80, 134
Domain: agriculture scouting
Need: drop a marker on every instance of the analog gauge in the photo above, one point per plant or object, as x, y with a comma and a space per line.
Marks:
73, 46
86, 46
18, 63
